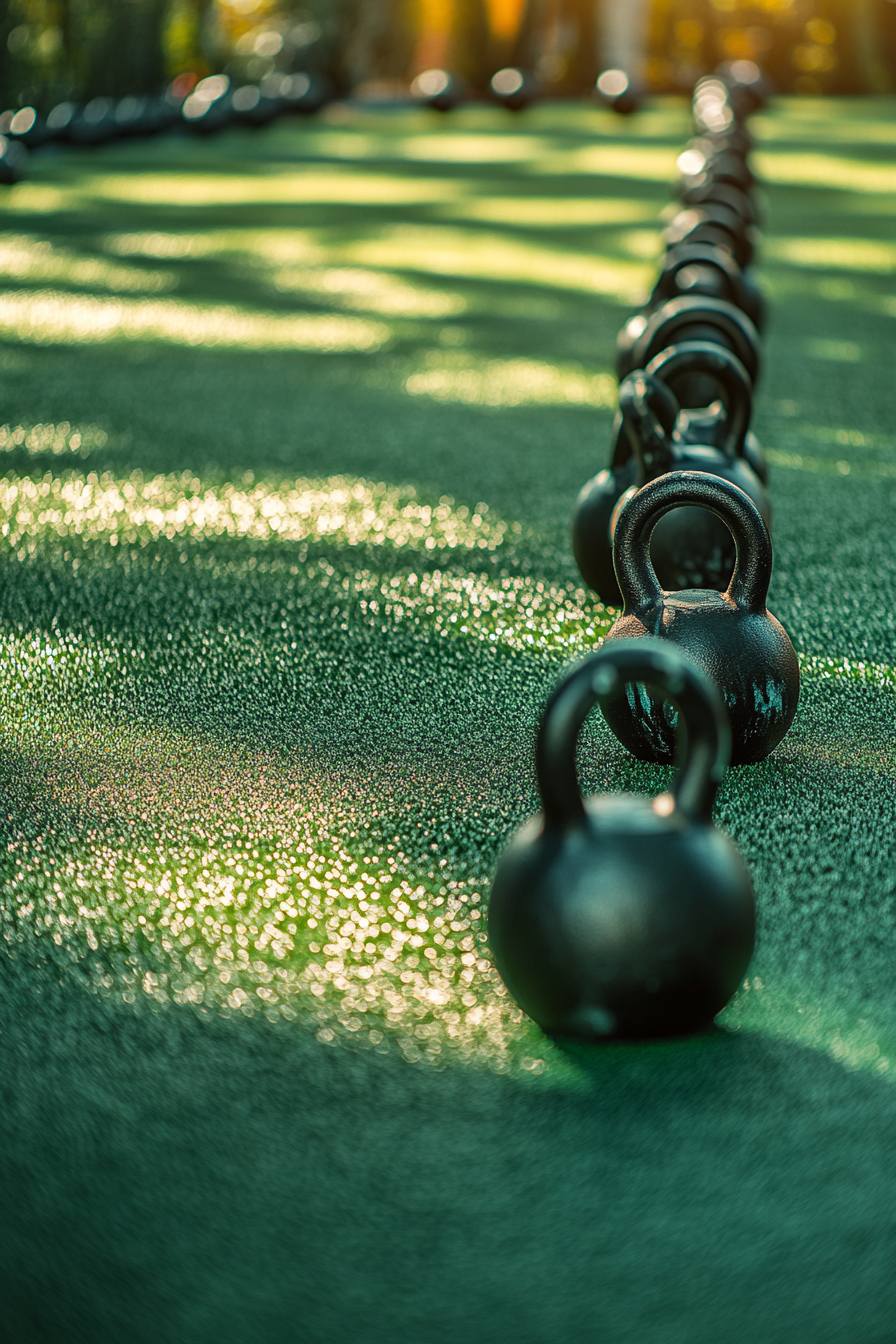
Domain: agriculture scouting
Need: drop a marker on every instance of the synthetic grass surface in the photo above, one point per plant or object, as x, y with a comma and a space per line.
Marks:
294, 424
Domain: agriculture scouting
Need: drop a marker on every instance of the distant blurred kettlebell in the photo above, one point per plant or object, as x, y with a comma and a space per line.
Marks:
731, 636
614, 916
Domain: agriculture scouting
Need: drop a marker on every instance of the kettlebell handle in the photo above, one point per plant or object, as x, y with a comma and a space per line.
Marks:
631, 541
724, 366
640, 399
703, 735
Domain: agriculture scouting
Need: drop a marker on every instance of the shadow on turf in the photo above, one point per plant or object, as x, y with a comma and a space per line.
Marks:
209, 1179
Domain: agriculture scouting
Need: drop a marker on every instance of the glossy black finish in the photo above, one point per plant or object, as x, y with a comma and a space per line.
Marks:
688, 319
613, 917
59, 122
707, 158
713, 390
746, 205
619, 91
592, 519
730, 636
690, 548
708, 271
748, 88
714, 222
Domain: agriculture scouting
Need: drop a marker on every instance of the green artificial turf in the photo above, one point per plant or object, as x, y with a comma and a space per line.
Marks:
294, 422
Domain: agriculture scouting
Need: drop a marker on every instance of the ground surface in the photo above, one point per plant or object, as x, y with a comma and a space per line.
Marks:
294, 423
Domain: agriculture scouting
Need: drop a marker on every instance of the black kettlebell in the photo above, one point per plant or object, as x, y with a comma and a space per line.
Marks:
730, 636
710, 271
688, 319
614, 916
714, 222
709, 158
713, 391
592, 537
746, 205
690, 548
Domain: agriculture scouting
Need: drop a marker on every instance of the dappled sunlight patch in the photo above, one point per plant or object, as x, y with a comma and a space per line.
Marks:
840, 352
24, 258
642, 163
46, 317
550, 212
136, 510
252, 891
840, 254
517, 612
161, 246
773, 1007
300, 185
510, 382
370, 291
486, 255
59, 440
830, 171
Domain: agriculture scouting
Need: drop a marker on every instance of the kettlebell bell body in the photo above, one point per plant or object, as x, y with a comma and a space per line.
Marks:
730, 636
614, 917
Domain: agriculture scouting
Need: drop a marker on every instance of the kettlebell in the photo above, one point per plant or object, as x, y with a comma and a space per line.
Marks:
612, 916
717, 159
690, 547
714, 222
731, 636
712, 388
688, 319
746, 205
592, 537
710, 271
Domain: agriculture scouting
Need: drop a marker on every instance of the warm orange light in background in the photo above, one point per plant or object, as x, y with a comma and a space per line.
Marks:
435, 19
504, 18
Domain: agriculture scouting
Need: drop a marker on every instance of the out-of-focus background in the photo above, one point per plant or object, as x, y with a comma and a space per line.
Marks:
52, 50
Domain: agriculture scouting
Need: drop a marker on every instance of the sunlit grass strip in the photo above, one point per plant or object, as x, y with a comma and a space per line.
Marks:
300, 185
822, 667
825, 170
785, 1011
46, 317
369, 291
59, 440
23, 258
551, 212
513, 382
825, 466
342, 509
491, 255
841, 254
176, 869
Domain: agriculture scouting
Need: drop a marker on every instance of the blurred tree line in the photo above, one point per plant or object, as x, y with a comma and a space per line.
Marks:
52, 50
